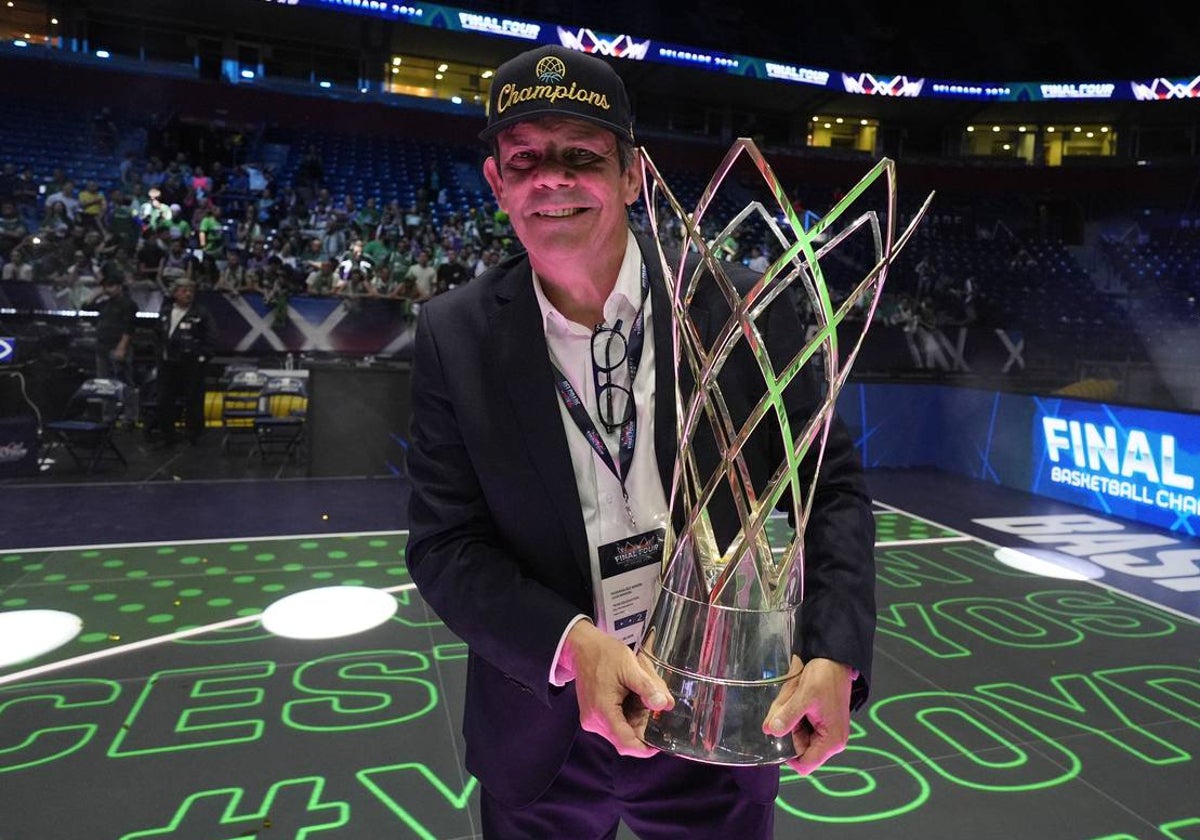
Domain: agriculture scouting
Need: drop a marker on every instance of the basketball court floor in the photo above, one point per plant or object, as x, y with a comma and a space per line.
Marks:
1037, 669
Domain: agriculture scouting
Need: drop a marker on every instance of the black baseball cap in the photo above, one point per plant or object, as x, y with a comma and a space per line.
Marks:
554, 81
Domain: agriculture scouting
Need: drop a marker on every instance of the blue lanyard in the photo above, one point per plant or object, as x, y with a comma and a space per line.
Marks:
628, 433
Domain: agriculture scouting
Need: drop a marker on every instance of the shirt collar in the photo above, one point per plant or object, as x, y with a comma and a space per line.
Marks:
622, 302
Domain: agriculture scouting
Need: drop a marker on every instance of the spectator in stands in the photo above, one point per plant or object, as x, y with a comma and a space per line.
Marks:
450, 273
211, 239
249, 228
322, 280
346, 210
121, 221
400, 259
116, 324
175, 263
12, 229
74, 286
256, 257
758, 261
357, 284
57, 222
53, 183
65, 195
278, 282
927, 273
729, 247
321, 215
413, 220
963, 303
201, 184
285, 248
391, 221
470, 227
401, 287
148, 256
367, 218
312, 255
112, 249
334, 240
22, 261
354, 258
178, 227
270, 209
234, 278
488, 257
379, 249
554, 713
154, 212
93, 206
187, 336
423, 277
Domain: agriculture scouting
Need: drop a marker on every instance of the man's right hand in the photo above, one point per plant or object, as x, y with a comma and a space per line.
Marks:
616, 693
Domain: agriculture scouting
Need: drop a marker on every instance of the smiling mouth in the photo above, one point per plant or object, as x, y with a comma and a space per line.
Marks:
562, 213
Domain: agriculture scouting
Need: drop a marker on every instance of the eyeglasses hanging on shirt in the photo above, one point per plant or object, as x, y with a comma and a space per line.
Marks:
614, 402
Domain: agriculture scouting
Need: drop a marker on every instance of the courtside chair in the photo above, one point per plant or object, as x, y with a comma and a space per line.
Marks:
87, 426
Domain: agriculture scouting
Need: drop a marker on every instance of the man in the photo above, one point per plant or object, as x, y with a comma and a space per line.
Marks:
322, 280
188, 333
211, 238
154, 213
65, 195
115, 325
422, 277
515, 492
451, 272
12, 229
93, 205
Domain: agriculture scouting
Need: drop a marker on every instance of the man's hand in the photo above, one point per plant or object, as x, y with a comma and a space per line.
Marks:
814, 706
616, 692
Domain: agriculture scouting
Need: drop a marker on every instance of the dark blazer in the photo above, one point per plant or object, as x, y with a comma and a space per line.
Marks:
498, 546
195, 336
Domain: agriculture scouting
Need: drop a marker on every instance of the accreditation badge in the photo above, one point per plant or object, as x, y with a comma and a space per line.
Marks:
629, 582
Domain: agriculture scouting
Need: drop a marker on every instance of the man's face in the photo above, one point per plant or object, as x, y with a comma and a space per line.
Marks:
561, 184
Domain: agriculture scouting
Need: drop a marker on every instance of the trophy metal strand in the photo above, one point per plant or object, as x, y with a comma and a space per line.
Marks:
722, 629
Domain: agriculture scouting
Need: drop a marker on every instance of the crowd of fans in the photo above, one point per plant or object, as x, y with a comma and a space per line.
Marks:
171, 210
236, 230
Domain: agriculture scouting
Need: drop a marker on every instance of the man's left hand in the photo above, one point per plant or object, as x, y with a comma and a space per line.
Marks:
814, 706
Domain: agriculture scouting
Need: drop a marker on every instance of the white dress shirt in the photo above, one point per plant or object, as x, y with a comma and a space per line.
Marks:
569, 343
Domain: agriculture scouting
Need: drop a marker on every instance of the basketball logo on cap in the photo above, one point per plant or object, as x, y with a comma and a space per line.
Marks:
535, 84
550, 69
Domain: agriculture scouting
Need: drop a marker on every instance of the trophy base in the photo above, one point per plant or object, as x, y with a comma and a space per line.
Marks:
717, 722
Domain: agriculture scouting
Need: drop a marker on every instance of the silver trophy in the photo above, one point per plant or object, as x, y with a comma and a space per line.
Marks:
721, 630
